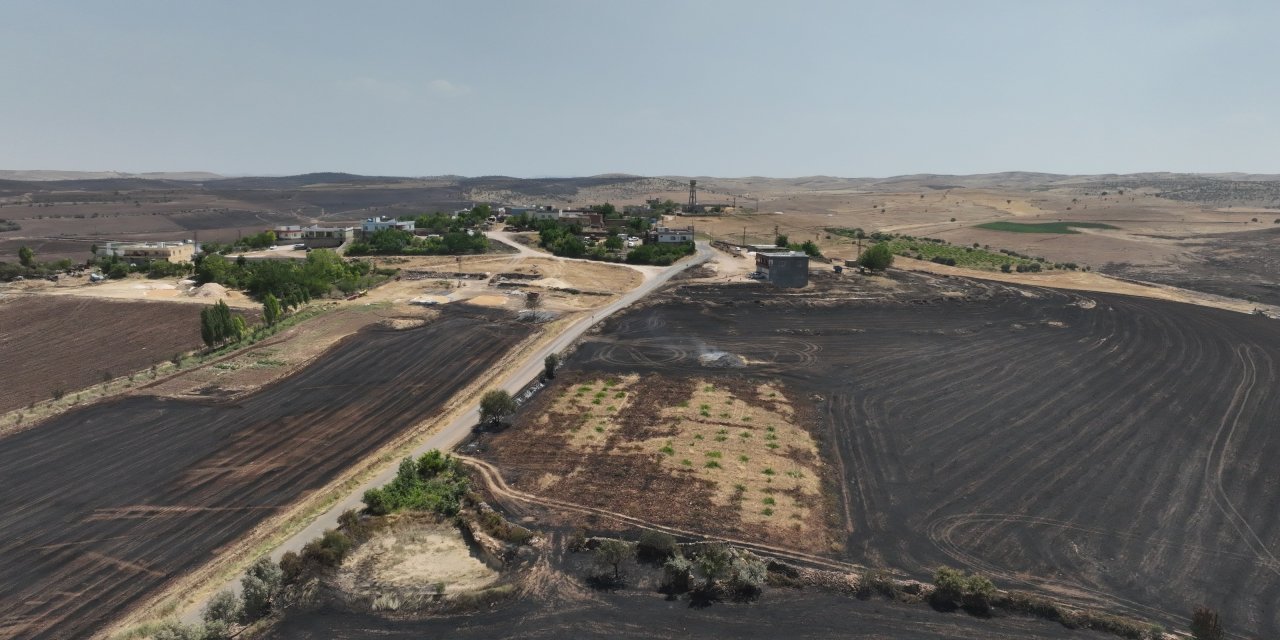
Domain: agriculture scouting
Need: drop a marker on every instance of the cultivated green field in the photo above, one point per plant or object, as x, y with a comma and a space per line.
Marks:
1043, 227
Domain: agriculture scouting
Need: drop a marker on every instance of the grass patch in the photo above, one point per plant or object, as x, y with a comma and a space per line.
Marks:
1043, 227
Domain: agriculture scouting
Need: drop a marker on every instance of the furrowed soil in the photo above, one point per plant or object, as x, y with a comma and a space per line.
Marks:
1112, 451
105, 504
49, 344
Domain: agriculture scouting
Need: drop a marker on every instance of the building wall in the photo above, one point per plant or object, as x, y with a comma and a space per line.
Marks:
784, 271
175, 253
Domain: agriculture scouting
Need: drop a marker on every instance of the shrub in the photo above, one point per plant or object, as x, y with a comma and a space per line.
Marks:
328, 550
222, 611
435, 482
677, 575
877, 257
260, 587
747, 574
952, 589
1205, 625
656, 546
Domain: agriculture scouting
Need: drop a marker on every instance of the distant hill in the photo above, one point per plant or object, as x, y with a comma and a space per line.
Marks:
45, 175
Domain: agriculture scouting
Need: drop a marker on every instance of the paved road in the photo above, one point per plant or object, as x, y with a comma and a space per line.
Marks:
457, 431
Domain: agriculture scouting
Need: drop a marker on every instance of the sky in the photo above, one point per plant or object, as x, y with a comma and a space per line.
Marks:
566, 88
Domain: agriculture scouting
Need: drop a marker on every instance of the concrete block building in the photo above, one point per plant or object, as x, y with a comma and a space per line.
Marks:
784, 268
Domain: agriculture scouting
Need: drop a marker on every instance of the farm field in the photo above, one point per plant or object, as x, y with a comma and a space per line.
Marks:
1104, 449
1044, 227
63, 343
172, 482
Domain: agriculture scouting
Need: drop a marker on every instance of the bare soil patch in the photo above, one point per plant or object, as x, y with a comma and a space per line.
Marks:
415, 558
51, 344
708, 452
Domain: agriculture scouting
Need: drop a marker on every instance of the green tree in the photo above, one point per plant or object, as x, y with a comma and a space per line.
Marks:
208, 328
260, 588
26, 257
877, 257
550, 364
213, 268
239, 329
781, 241
613, 243
1205, 625
612, 553
497, 406
271, 309
118, 271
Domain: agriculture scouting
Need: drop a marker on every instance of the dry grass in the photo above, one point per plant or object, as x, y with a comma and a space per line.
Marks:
749, 449
417, 555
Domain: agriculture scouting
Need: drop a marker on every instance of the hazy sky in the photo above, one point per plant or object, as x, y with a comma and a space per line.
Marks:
783, 88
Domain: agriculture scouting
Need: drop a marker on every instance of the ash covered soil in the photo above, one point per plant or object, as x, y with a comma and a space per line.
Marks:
1243, 265
1112, 451
779, 614
105, 504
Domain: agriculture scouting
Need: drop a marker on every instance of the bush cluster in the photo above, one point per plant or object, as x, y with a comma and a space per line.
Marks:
434, 482
396, 242
954, 589
293, 282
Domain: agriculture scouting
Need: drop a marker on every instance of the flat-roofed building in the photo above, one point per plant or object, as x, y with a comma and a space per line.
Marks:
784, 268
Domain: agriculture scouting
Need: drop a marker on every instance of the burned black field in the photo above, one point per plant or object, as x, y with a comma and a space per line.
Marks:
1108, 450
781, 614
161, 485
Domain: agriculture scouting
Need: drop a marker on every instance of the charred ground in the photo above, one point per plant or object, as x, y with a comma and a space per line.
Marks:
1110, 450
161, 484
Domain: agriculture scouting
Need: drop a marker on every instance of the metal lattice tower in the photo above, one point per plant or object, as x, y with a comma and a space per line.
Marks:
693, 194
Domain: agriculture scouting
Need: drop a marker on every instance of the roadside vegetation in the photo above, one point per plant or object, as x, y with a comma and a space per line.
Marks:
1043, 227
434, 482
937, 250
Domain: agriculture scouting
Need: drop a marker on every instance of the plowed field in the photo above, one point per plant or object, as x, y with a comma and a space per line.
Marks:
1111, 450
102, 505
57, 343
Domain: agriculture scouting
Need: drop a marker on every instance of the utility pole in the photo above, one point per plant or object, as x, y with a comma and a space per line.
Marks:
744, 235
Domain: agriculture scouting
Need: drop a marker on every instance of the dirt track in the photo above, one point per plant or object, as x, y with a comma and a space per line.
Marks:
1111, 450
68, 344
104, 504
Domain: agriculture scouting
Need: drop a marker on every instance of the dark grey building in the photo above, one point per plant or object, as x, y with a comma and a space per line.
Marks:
784, 268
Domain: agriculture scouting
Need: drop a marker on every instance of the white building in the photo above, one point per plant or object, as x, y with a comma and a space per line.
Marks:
371, 225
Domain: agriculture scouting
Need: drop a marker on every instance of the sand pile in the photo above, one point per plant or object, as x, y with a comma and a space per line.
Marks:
209, 290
